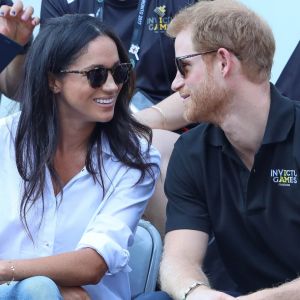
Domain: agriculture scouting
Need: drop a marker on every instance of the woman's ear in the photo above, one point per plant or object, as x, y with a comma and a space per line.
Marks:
54, 84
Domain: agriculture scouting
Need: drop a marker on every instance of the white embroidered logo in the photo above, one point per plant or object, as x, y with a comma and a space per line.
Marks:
134, 49
160, 10
284, 177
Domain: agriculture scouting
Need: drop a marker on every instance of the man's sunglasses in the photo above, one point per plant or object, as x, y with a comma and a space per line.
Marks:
98, 76
179, 61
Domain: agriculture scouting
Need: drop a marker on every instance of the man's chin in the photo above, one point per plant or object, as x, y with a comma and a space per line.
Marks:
190, 118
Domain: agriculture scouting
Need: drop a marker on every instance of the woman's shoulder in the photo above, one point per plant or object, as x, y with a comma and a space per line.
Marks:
148, 151
9, 123
8, 127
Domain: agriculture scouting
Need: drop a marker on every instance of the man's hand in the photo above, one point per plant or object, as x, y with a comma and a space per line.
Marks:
208, 294
74, 293
17, 23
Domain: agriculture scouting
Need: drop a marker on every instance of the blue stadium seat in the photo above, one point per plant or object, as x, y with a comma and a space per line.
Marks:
145, 256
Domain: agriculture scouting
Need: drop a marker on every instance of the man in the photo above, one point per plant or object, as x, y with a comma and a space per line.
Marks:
237, 175
16, 23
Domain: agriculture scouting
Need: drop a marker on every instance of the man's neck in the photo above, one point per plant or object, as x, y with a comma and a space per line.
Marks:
245, 125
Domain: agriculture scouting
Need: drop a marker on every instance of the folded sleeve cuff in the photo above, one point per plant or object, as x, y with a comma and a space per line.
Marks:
115, 256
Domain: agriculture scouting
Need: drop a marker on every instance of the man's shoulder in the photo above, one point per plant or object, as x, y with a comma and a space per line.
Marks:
199, 146
292, 103
196, 134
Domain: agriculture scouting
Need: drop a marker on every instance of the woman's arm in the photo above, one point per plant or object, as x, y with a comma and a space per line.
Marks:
17, 24
103, 246
168, 114
76, 268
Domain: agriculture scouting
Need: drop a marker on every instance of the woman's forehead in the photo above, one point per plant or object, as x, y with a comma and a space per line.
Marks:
100, 51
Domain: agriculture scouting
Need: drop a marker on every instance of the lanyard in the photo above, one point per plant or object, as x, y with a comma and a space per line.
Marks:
136, 38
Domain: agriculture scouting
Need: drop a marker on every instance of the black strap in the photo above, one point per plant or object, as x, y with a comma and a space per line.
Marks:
136, 38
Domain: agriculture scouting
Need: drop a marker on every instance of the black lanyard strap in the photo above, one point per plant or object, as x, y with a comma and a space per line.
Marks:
136, 38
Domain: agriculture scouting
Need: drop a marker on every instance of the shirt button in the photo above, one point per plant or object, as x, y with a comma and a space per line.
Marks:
254, 170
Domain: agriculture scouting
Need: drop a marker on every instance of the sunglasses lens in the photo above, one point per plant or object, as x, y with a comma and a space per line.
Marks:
97, 77
121, 73
178, 63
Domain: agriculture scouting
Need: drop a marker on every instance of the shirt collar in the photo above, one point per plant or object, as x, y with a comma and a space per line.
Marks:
280, 120
105, 145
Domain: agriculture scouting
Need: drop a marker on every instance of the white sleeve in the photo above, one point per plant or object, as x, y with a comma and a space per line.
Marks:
111, 230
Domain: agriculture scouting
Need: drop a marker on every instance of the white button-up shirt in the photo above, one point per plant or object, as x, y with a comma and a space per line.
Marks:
84, 218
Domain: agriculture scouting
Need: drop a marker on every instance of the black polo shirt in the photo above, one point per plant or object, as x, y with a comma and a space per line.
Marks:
255, 215
288, 81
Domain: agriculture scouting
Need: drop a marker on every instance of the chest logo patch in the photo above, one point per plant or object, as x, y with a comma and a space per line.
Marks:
159, 21
284, 177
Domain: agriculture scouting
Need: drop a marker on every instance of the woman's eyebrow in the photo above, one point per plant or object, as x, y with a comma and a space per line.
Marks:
93, 66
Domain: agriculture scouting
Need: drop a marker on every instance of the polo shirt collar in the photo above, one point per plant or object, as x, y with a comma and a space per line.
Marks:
281, 118
280, 121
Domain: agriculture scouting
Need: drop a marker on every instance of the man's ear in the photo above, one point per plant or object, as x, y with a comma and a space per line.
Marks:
54, 84
225, 61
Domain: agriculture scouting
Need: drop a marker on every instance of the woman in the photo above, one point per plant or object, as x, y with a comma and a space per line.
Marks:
77, 169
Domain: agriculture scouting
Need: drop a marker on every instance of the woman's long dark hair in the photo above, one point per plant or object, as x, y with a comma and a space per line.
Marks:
59, 43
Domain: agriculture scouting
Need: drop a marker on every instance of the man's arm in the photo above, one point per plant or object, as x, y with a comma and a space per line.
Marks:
183, 256
17, 24
169, 114
74, 293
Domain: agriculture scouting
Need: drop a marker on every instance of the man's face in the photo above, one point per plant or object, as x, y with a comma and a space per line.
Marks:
203, 97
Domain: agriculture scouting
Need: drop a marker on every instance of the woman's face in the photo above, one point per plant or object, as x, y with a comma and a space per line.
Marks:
77, 100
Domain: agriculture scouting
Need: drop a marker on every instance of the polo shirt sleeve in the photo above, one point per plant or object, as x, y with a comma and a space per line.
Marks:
186, 208
111, 230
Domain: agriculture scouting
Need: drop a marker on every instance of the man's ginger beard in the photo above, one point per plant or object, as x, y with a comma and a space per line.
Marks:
207, 102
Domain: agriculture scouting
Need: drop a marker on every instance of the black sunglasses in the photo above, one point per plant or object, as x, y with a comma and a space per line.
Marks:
98, 76
180, 64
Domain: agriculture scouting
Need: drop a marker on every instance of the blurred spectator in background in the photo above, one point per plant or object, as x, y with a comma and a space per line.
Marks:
17, 23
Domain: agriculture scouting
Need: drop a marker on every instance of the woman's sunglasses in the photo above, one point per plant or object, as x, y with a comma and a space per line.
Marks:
98, 76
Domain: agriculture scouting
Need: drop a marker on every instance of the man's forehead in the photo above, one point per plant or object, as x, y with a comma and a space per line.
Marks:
183, 43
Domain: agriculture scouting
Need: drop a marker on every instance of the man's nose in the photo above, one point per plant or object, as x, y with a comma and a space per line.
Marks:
178, 82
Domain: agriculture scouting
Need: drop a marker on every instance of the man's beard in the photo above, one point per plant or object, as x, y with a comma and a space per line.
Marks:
207, 102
